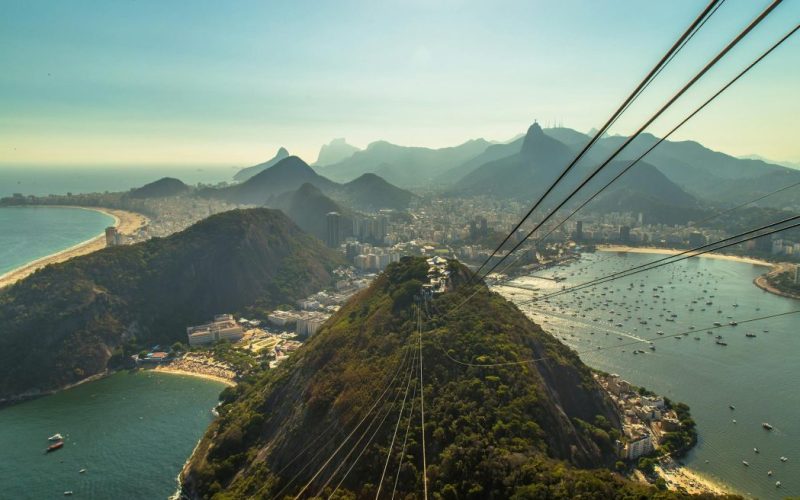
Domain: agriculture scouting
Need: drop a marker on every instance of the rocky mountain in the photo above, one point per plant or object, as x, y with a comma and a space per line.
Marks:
709, 175
161, 188
368, 192
246, 173
92, 310
402, 165
336, 151
541, 159
538, 430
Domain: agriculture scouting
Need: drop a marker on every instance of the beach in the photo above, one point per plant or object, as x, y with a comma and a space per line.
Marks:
206, 376
672, 251
127, 223
680, 478
199, 365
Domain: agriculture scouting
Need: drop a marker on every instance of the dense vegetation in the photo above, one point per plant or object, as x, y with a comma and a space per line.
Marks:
513, 431
68, 320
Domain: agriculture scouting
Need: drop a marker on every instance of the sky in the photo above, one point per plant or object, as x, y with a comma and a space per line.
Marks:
203, 83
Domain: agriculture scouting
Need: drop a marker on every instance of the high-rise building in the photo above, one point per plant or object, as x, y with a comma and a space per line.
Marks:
624, 234
579, 230
333, 229
112, 237
697, 239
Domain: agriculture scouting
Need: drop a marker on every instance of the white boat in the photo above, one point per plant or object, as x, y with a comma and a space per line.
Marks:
744, 462
56, 437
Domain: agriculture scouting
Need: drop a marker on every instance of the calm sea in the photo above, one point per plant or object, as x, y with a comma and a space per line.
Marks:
759, 375
29, 233
62, 180
131, 432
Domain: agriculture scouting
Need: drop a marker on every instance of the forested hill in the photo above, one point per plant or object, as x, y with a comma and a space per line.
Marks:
65, 322
541, 430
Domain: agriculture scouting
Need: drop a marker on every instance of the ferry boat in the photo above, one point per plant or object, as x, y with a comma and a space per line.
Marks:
748, 334
55, 446
766, 425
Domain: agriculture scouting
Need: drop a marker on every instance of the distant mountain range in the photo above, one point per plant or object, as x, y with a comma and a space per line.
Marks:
367, 192
246, 173
540, 160
676, 172
336, 151
87, 311
402, 165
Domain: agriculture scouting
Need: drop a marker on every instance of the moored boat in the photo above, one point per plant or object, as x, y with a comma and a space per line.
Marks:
55, 446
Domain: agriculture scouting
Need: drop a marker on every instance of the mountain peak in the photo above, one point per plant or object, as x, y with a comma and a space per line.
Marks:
246, 173
534, 137
337, 150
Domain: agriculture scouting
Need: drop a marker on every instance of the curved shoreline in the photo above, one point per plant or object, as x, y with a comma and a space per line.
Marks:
673, 251
125, 221
763, 283
175, 371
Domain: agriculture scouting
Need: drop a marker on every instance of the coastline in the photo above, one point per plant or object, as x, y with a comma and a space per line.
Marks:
672, 251
763, 283
126, 223
177, 371
680, 477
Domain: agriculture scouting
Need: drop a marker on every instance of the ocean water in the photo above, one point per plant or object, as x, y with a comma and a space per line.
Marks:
62, 180
29, 233
132, 432
760, 376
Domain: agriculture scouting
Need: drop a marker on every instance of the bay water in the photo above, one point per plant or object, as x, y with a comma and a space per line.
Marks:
29, 233
759, 376
131, 432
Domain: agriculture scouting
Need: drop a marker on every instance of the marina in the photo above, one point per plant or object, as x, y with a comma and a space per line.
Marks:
751, 377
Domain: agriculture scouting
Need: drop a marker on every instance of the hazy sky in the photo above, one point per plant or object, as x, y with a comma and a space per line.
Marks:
226, 83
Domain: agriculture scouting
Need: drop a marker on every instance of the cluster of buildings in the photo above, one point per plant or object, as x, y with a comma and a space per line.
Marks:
645, 418
780, 246
366, 257
224, 327
305, 323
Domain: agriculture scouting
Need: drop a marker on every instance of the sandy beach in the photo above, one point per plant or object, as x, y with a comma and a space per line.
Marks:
175, 371
127, 223
672, 251
680, 478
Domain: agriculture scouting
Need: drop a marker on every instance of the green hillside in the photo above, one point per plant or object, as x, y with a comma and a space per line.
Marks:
542, 430
65, 322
